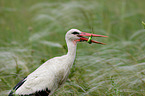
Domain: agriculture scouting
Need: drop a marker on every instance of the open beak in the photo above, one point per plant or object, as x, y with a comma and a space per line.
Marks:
90, 35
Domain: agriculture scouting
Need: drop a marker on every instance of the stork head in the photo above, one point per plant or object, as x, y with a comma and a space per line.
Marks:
76, 35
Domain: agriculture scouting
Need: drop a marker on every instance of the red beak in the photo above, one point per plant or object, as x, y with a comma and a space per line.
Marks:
90, 35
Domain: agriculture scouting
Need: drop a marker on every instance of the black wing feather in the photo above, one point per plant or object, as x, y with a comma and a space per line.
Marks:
39, 93
17, 86
42, 93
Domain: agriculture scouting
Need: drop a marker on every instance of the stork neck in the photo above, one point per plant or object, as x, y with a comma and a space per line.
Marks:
71, 48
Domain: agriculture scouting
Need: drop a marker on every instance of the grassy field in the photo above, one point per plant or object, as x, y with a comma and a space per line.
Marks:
32, 31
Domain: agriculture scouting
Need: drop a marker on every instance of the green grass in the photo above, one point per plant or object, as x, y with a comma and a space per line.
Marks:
28, 28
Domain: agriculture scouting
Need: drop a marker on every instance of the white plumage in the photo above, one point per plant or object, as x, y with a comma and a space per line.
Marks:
54, 72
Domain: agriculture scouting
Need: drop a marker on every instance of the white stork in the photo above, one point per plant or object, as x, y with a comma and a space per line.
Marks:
54, 72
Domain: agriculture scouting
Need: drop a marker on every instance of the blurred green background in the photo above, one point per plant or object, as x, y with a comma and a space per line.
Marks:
32, 31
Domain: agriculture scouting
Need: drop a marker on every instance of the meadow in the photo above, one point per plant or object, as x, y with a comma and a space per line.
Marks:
33, 31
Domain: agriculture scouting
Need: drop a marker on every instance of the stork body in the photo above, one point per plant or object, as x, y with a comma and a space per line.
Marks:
54, 72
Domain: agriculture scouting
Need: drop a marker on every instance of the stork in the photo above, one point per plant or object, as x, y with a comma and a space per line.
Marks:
54, 72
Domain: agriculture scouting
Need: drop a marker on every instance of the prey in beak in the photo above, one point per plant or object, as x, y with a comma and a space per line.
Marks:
89, 40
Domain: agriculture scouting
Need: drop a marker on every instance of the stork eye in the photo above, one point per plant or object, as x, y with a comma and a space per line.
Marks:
75, 32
